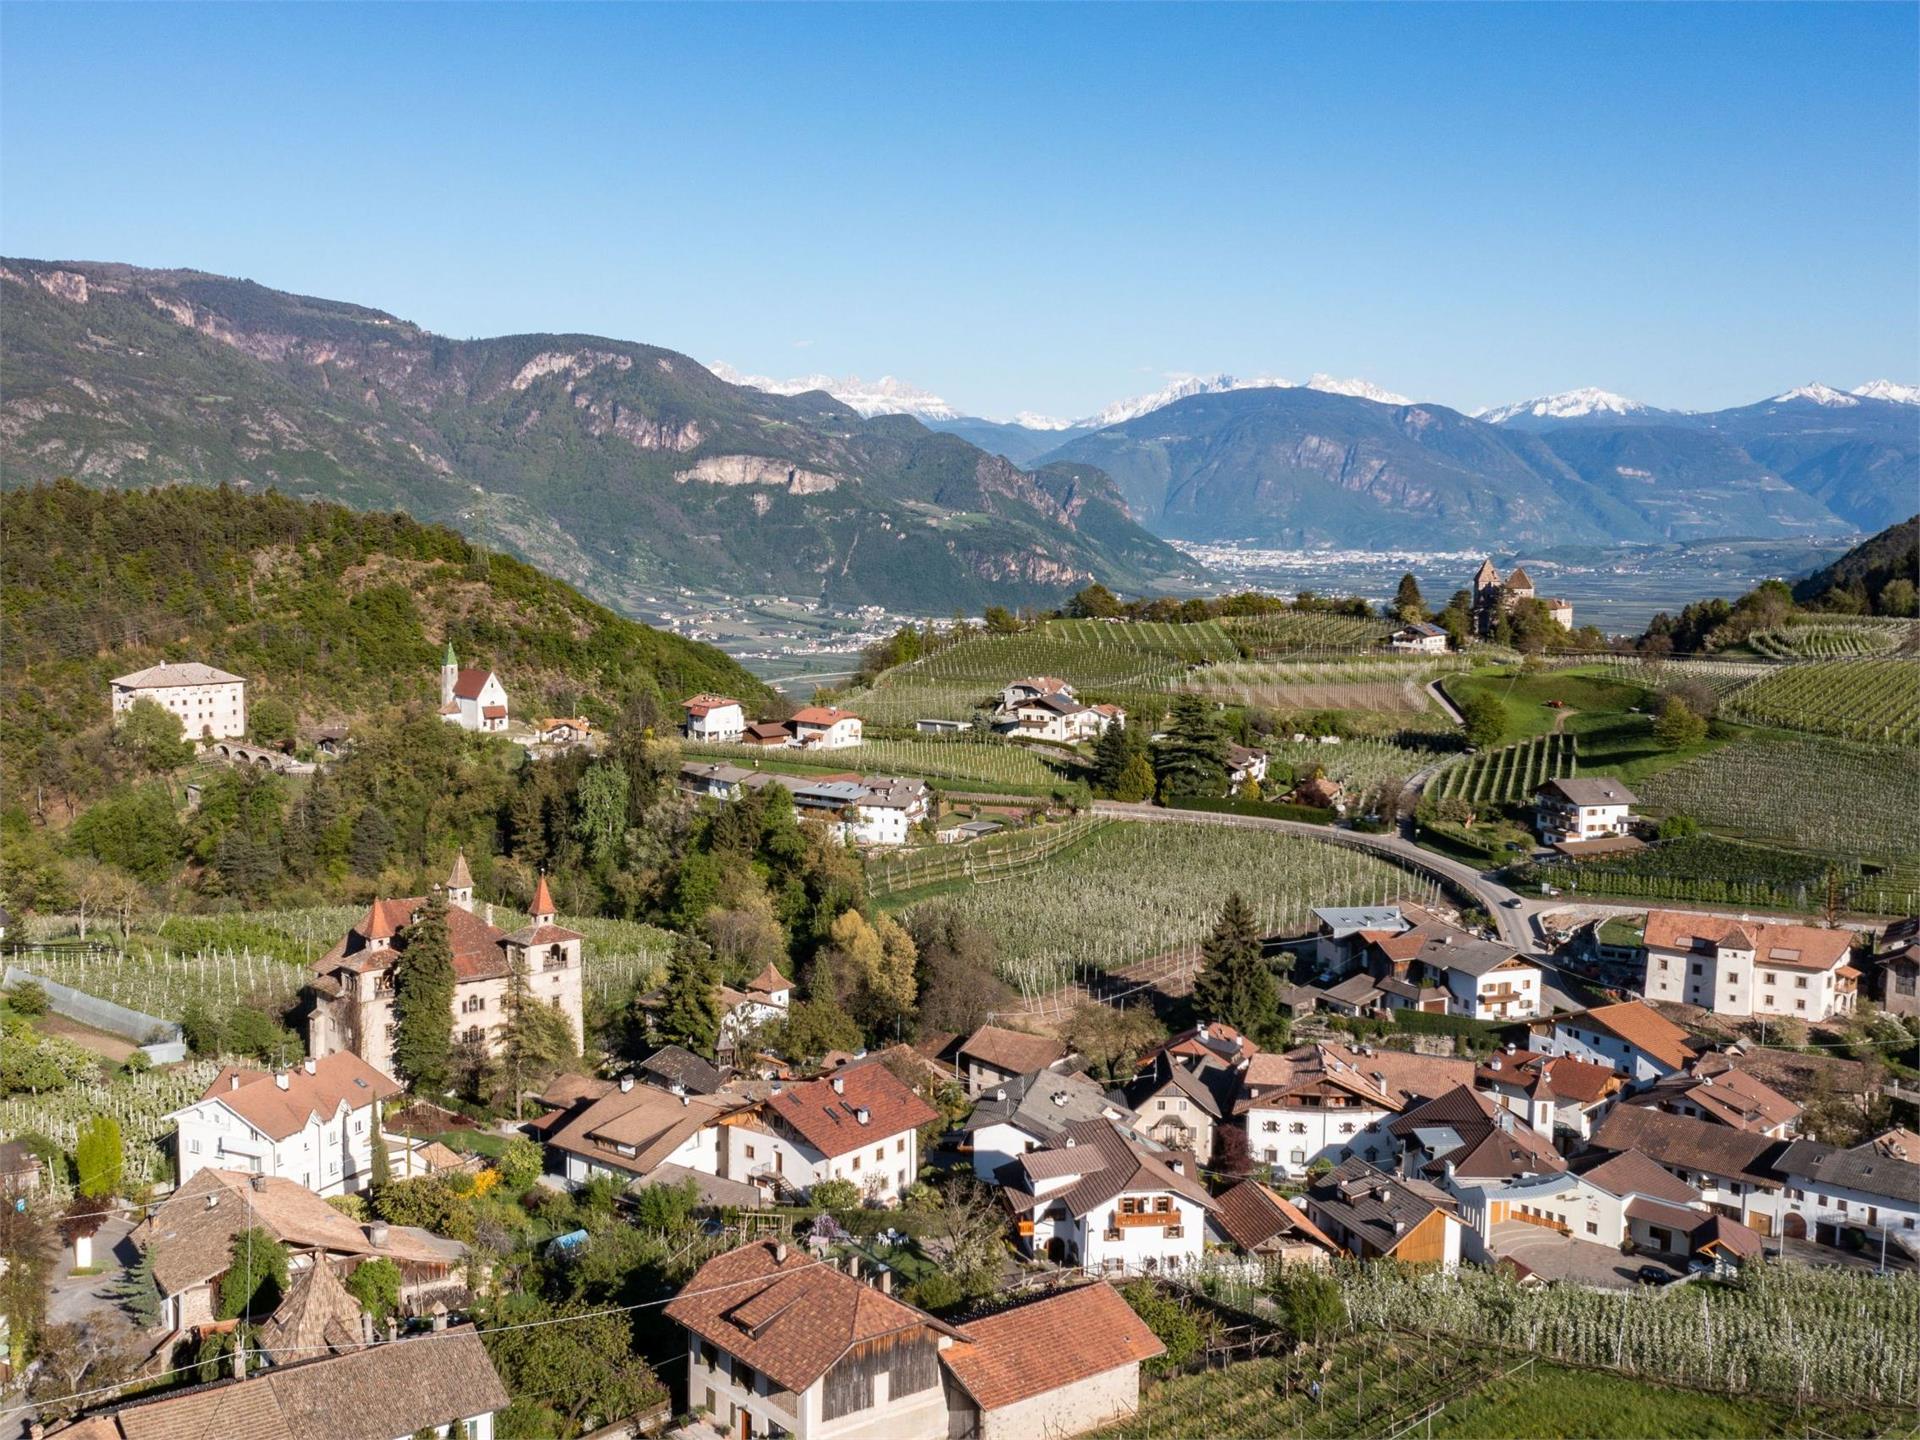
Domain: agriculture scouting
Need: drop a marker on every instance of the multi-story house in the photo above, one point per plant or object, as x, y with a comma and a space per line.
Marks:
1872, 1188
1102, 1200
1331, 1102
1894, 975
825, 727
314, 1124
1373, 1215
860, 1124
211, 704
634, 1132
1630, 1037
1031, 1112
886, 812
1016, 692
353, 983
1245, 766
1570, 810
1344, 932
1419, 638
1749, 967
1182, 1104
1465, 1138
782, 1344
717, 718
1732, 1169
994, 1055
1714, 1088
1603, 1199
1560, 1097
471, 699
764, 1000
1483, 979
1493, 597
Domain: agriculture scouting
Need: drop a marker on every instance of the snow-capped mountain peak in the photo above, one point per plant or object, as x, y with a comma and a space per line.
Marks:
1889, 390
885, 396
1358, 389
1819, 394
1030, 421
1567, 405
1181, 387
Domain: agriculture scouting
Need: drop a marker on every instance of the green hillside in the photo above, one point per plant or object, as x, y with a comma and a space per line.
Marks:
628, 470
335, 613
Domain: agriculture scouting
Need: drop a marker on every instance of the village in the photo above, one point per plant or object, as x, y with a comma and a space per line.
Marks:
841, 1215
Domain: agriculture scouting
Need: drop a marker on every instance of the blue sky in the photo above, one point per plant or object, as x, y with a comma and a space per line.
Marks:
1024, 207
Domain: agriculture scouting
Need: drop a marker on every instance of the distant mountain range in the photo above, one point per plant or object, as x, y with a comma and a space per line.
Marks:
1347, 464
629, 470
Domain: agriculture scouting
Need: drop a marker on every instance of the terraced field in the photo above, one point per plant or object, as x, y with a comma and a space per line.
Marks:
1808, 639
1294, 633
1508, 774
987, 761
1387, 684
1854, 699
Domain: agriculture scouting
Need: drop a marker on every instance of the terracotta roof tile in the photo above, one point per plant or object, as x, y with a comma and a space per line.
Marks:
1048, 1344
1252, 1214
337, 1079
829, 1119
1787, 947
1640, 1025
1014, 1051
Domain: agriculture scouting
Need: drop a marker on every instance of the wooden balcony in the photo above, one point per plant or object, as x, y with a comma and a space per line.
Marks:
1161, 1218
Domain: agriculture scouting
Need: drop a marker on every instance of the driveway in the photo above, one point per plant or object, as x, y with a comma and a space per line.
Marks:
73, 1297
1553, 1256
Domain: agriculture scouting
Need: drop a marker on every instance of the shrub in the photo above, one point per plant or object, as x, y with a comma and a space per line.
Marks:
1170, 1321
835, 1194
354, 1207
520, 1164
28, 998
376, 1285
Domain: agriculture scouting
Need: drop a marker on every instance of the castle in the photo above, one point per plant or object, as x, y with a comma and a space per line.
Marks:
353, 983
471, 699
1493, 597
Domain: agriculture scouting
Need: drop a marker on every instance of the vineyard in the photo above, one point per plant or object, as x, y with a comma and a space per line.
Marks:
1811, 1333
1357, 764
1709, 870
1723, 677
1137, 891
1833, 796
1832, 640
140, 1102
1271, 637
1196, 643
1380, 683
1853, 699
1507, 775
988, 762
980, 862
260, 958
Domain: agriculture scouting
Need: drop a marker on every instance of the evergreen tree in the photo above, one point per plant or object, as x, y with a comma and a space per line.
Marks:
29, 1250
536, 1042
690, 1012
382, 1161
1192, 760
139, 1292
1407, 604
423, 1000
256, 1276
1110, 756
1234, 983
372, 840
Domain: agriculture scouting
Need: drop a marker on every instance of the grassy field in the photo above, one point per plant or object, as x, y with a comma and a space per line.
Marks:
1133, 891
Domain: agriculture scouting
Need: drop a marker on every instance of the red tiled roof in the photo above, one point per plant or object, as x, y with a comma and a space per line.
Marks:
790, 1318
494, 712
828, 1119
1049, 1344
702, 704
1787, 947
821, 715
542, 899
257, 1098
469, 683
477, 951
1640, 1025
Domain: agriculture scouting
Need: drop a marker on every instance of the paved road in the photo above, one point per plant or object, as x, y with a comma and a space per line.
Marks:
1515, 925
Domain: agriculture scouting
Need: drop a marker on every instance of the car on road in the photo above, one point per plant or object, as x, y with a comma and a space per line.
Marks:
1513, 902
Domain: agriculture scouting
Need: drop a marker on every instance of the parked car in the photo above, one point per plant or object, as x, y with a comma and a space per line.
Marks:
1652, 1275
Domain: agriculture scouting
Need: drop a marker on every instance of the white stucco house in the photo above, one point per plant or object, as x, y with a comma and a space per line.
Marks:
471, 699
1633, 1038
1419, 638
1101, 1199
1749, 967
717, 718
764, 1000
211, 704
1873, 1187
858, 1124
313, 1124
825, 727
1584, 809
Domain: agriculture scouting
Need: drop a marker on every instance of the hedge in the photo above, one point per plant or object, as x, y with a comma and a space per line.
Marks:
1261, 809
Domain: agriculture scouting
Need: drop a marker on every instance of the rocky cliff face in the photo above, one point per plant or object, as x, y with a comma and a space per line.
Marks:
622, 465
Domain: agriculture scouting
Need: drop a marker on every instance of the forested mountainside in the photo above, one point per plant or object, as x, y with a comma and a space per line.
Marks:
335, 613
1865, 572
1299, 466
625, 469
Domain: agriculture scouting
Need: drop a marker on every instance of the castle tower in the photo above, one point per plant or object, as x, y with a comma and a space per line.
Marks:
459, 885
1485, 576
449, 674
543, 911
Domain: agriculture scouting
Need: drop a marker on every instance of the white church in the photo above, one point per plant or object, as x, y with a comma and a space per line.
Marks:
471, 699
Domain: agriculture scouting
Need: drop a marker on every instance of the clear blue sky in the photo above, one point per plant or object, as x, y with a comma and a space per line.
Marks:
1024, 207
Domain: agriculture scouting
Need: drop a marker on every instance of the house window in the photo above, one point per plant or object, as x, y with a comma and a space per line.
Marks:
1298, 1127
749, 1152
1299, 1157
1767, 1000
900, 1146
1799, 1004
556, 958
856, 1162
1799, 982
1270, 1126
1663, 962
474, 1032
1696, 967
1593, 1227
194, 1148
1159, 1104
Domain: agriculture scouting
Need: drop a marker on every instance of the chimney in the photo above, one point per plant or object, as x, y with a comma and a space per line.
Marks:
626, 1083
377, 1233
863, 1115
280, 1078
1510, 1047
1494, 1064
1069, 1142
489, 912
233, 1081
366, 1327
684, 1102
839, 1083
1399, 1227
239, 1356
439, 1315
779, 1252
259, 1182
310, 1065
1000, 1093
884, 1280
213, 1202
393, 1328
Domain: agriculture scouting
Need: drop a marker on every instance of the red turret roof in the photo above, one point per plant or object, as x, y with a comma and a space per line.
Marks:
542, 899
378, 924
